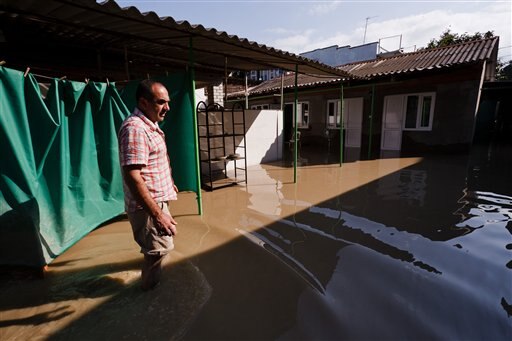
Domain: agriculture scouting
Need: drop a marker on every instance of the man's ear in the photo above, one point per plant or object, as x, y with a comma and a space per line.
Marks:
142, 103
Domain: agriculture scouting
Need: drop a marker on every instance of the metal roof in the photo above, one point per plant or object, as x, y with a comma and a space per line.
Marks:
49, 29
437, 58
404, 63
274, 85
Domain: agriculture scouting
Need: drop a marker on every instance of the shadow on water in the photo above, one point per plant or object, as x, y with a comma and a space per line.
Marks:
422, 253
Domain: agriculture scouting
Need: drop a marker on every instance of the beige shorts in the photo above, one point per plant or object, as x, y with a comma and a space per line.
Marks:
147, 235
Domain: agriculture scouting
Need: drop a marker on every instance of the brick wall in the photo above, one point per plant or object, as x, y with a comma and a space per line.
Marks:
216, 94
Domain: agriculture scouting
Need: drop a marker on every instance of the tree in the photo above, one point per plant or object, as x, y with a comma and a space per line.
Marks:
448, 38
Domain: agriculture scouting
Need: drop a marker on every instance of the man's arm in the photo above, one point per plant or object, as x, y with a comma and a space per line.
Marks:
138, 188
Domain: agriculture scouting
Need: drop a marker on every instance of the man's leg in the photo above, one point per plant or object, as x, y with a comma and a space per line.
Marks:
154, 246
151, 271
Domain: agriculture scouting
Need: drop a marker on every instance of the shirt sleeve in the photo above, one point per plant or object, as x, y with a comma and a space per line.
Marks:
133, 146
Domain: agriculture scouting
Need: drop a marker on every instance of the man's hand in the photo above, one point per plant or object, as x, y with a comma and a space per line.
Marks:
166, 224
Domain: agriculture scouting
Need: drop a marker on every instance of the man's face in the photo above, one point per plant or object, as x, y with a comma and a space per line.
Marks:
156, 108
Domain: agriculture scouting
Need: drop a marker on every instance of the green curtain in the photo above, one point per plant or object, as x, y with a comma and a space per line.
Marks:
59, 168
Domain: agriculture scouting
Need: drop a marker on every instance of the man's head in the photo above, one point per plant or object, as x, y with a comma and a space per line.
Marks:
152, 99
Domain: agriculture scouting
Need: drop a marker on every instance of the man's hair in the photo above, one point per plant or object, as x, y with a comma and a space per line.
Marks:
144, 89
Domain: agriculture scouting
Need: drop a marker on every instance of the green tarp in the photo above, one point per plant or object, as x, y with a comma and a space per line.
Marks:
59, 168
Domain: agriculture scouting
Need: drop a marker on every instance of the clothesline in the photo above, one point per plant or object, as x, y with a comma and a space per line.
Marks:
86, 80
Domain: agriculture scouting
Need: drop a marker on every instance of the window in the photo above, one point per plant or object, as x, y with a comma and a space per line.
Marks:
302, 114
333, 114
260, 106
419, 111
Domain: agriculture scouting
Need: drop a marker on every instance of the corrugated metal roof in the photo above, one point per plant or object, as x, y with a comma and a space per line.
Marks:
406, 63
274, 85
438, 58
106, 26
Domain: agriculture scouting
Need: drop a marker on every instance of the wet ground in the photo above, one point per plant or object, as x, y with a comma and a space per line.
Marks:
400, 248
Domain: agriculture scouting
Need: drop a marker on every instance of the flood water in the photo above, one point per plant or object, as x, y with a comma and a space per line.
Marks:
402, 248
422, 253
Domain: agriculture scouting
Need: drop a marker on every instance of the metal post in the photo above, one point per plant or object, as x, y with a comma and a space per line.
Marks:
277, 116
246, 93
282, 92
194, 120
341, 112
225, 82
371, 122
295, 139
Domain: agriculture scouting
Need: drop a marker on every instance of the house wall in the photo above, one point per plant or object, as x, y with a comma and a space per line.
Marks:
453, 117
454, 112
452, 128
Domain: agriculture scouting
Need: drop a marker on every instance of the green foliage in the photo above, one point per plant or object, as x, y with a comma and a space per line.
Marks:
448, 38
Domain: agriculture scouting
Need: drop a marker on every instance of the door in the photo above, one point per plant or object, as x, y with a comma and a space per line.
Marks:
288, 122
353, 121
392, 123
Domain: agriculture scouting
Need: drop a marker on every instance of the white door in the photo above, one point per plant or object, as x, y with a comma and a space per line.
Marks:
353, 121
392, 123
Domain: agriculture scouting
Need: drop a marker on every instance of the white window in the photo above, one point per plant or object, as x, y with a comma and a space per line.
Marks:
418, 111
302, 114
333, 114
260, 107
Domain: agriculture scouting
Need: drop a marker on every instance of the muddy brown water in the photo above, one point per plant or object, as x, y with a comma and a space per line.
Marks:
399, 248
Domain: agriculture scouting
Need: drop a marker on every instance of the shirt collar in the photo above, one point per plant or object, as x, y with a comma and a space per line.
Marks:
152, 125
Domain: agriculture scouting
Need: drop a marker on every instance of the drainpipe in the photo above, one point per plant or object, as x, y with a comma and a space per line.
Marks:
480, 86
371, 122
194, 120
296, 142
341, 109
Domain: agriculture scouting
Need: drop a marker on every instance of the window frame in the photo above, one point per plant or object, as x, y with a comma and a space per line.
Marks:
260, 107
336, 124
300, 114
419, 111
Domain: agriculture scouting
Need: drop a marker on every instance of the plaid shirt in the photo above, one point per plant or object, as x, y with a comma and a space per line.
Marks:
142, 142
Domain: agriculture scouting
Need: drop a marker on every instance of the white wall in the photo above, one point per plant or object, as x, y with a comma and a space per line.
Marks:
263, 136
200, 96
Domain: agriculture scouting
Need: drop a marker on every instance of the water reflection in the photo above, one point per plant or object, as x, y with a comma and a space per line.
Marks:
422, 253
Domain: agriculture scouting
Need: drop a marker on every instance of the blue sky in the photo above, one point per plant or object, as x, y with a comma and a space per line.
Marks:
300, 26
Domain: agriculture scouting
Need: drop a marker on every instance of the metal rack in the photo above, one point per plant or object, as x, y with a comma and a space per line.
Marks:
222, 145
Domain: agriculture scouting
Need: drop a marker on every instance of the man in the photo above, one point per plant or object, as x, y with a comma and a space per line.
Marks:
147, 179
